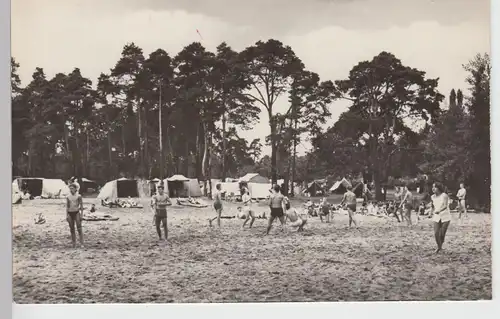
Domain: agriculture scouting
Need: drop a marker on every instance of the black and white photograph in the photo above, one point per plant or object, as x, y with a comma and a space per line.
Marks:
183, 151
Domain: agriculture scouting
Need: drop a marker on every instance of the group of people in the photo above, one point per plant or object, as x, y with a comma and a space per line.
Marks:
280, 208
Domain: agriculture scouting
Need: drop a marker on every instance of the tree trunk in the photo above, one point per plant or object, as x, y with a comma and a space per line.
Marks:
141, 145
199, 164
124, 150
224, 147
205, 158
294, 160
186, 159
274, 149
209, 166
110, 154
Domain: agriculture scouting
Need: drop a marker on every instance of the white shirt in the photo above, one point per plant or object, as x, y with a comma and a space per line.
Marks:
246, 199
461, 194
438, 202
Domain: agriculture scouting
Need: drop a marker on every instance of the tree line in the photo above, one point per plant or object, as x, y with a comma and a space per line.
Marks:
66, 126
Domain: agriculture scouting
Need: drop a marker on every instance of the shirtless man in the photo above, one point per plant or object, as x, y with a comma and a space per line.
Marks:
74, 213
159, 204
406, 205
277, 208
296, 220
349, 200
462, 208
217, 196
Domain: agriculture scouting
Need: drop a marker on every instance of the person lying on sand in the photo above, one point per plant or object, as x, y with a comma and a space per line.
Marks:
159, 204
296, 219
108, 203
74, 212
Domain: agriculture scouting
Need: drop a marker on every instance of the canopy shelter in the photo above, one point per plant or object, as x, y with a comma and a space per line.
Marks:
340, 187
44, 187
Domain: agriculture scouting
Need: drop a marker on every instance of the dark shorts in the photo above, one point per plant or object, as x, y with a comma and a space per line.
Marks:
352, 207
277, 212
408, 206
325, 211
73, 215
159, 219
161, 213
218, 206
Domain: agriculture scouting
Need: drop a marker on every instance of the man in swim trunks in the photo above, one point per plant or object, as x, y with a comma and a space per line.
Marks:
74, 210
406, 205
217, 196
159, 204
277, 208
295, 219
349, 200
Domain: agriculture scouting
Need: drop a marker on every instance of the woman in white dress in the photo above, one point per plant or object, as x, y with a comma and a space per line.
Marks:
441, 214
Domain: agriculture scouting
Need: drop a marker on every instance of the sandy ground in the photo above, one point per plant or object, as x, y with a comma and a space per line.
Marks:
123, 262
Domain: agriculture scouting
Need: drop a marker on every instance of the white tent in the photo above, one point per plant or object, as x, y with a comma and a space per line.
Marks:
120, 188
231, 188
259, 190
43, 187
340, 186
178, 178
254, 178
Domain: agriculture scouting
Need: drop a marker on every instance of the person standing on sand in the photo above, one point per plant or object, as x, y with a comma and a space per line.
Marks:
406, 205
217, 196
74, 213
462, 208
441, 214
159, 204
276, 203
247, 209
349, 200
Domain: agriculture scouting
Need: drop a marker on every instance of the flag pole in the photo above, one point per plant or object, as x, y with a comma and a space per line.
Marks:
161, 137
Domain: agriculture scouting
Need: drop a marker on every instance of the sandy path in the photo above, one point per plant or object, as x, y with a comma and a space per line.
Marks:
123, 262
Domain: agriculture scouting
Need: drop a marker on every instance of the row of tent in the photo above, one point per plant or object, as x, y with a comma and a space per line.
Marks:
48, 187
316, 188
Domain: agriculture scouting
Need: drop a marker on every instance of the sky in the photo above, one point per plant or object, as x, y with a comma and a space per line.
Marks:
329, 36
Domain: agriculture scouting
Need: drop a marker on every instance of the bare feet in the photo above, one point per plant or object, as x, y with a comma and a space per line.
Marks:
438, 250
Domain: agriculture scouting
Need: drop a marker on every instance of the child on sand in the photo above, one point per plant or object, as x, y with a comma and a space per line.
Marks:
159, 204
74, 210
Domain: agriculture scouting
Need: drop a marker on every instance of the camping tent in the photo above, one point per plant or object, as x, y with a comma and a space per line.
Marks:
180, 186
120, 188
313, 188
44, 187
259, 190
253, 178
340, 187
232, 188
87, 185
192, 187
